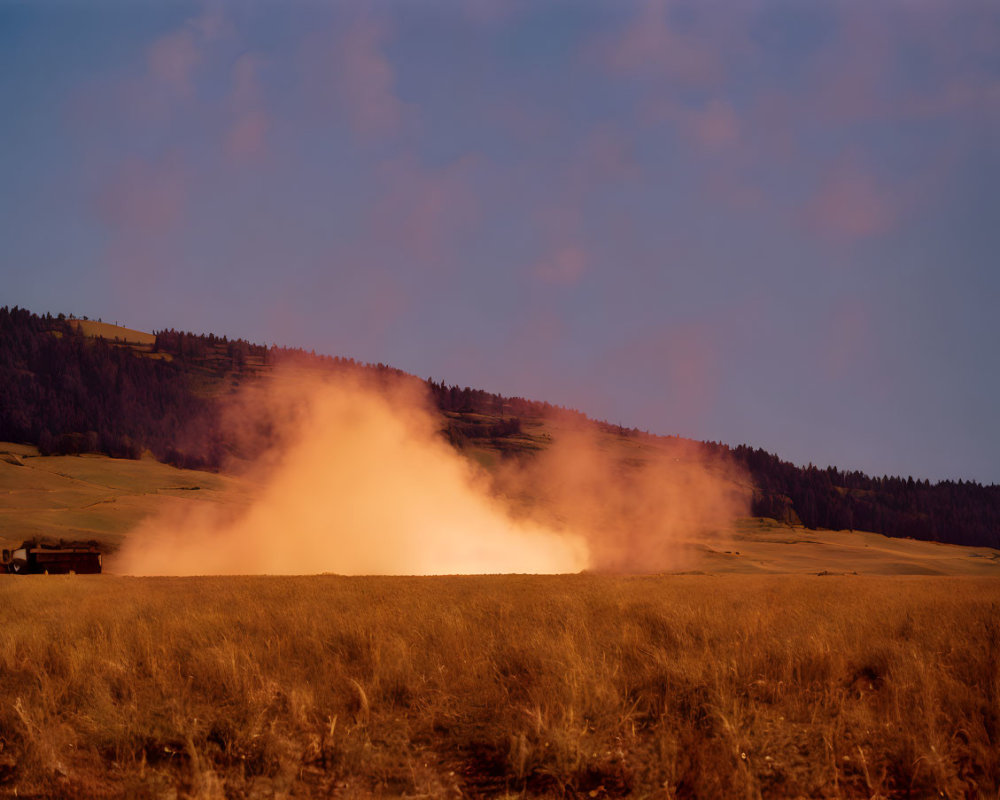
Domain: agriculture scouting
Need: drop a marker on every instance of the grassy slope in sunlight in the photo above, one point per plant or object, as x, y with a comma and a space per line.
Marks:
113, 333
95, 497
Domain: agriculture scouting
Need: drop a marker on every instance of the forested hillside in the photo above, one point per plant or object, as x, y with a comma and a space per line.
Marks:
67, 393
960, 512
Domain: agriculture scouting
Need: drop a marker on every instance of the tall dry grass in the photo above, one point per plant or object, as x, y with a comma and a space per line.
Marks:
687, 686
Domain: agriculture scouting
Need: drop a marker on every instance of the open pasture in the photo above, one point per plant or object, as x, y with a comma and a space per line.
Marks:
571, 686
96, 497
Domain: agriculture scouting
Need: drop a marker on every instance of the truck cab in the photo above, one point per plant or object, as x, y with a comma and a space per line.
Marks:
60, 557
15, 560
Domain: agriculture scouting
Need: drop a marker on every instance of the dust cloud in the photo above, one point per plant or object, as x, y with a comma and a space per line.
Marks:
354, 477
360, 482
640, 504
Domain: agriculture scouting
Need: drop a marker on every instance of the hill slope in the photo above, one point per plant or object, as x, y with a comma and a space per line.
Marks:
68, 392
94, 496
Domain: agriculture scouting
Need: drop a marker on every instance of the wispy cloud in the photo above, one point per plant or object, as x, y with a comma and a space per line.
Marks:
652, 45
563, 266
850, 203
173, 58
351, 75
247, 135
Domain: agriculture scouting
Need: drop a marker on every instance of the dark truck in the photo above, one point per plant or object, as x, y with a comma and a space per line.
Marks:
40, 557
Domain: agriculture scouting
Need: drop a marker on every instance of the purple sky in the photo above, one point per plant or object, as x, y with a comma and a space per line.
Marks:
765, 222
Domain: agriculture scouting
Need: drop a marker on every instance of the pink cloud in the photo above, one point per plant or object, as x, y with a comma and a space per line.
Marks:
212, 23
651, 46
173, 58
714, 127
247, 135
365, 80
172, 62
850, 204
603, 158
564, 266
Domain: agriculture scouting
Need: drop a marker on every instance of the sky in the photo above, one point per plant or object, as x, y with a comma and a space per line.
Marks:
752, 221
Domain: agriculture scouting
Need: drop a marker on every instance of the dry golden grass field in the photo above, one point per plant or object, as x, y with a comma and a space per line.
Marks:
575, 686
798, 663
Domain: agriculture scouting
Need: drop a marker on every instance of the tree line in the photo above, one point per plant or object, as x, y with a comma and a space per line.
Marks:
961, 512
67, 394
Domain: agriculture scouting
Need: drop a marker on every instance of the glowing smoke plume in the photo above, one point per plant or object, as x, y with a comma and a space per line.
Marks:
360, 484
356, 479
646, 507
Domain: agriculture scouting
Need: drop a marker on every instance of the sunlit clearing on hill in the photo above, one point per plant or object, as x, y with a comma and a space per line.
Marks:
356, 479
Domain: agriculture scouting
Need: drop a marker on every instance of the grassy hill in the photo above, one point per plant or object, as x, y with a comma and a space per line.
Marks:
95, 497
78, 386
